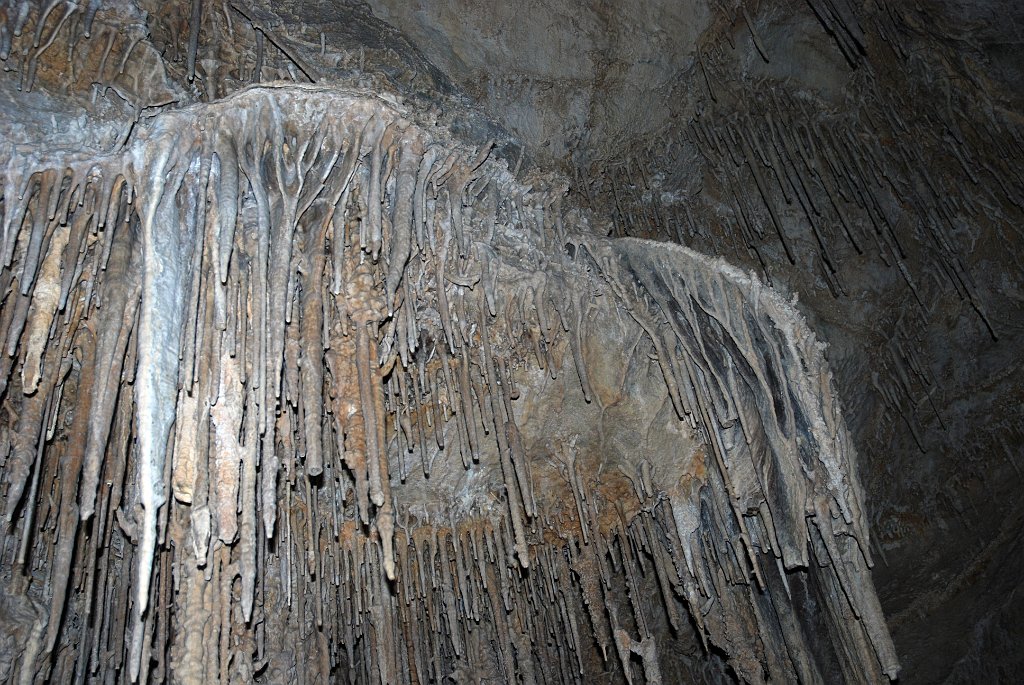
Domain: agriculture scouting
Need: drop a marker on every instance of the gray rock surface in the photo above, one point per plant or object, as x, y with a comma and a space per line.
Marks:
346, 339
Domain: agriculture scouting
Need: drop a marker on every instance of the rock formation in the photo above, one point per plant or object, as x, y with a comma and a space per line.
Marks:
314, 371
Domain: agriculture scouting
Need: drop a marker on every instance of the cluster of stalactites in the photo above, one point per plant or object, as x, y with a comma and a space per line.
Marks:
243, 299
879, 187
740, 364
76, 48
223, 345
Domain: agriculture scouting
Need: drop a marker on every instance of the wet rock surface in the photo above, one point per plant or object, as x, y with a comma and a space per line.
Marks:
336, 353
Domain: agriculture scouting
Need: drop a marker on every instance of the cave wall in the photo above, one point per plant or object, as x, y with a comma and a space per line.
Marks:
645, 442
865, 157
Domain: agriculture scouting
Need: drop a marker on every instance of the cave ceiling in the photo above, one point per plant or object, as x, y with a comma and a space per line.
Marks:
409, 342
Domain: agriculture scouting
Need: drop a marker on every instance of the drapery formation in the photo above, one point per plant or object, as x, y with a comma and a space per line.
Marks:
233, 346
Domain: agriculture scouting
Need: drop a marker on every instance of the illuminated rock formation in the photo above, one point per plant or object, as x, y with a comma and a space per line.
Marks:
306, 378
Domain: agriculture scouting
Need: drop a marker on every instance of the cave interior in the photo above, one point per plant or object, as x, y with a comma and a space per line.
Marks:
430, 341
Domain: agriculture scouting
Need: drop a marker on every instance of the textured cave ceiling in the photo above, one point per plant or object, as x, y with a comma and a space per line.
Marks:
538, 342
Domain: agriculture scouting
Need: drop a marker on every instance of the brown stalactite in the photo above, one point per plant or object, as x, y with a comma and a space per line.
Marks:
229, 337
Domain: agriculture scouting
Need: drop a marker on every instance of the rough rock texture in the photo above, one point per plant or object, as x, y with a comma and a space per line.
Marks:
310, 373
565, 77
867, 157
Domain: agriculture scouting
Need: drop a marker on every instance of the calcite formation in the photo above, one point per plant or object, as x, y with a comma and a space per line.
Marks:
301, 386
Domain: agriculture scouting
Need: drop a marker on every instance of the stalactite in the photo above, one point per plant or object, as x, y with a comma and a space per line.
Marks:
292, 291
193, 37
